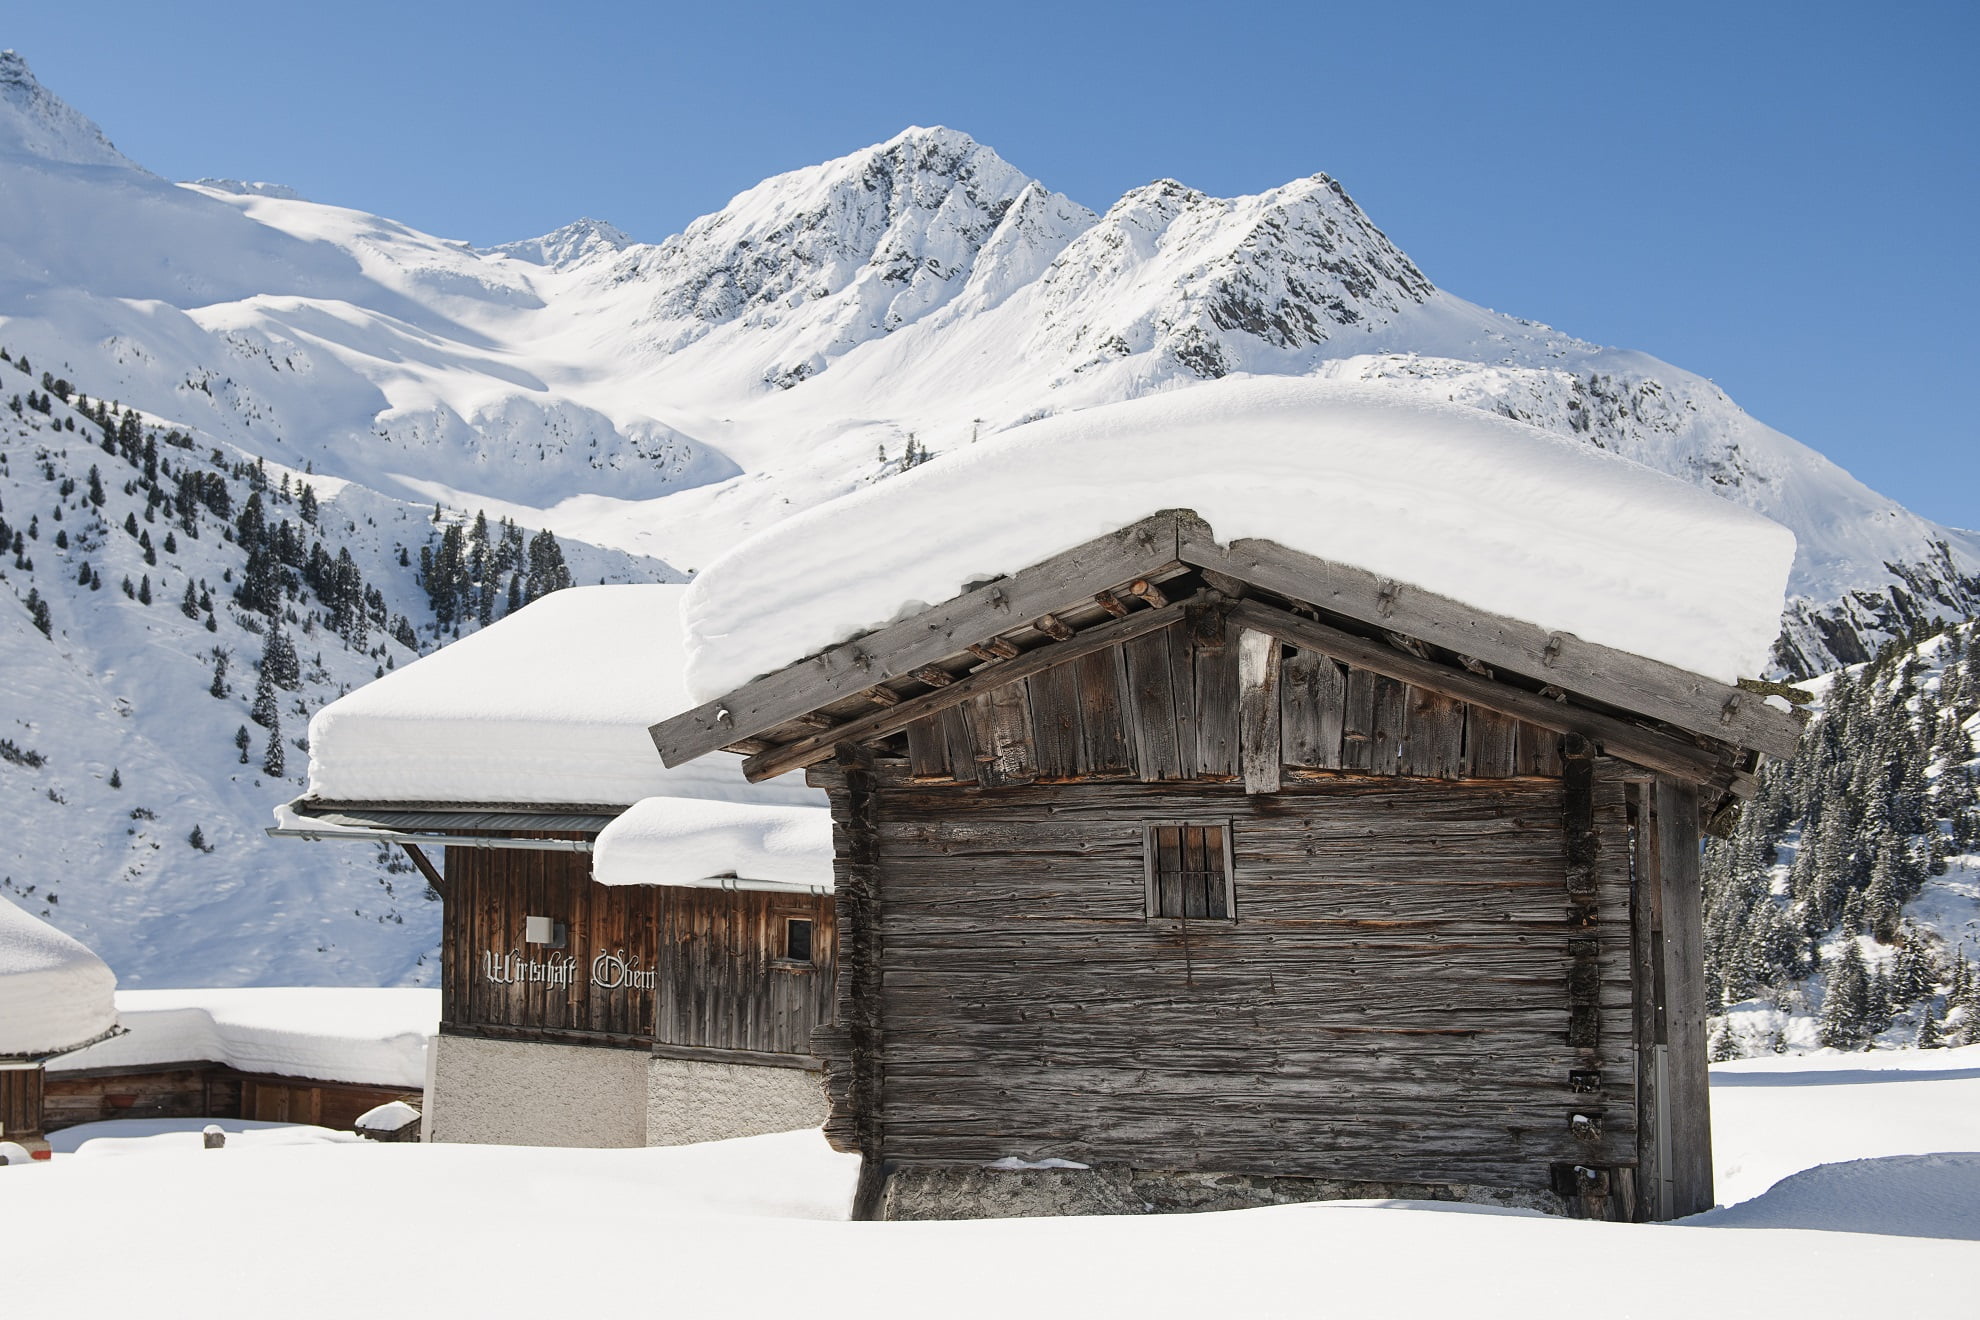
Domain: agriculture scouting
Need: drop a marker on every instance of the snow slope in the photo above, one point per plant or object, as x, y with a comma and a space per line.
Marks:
1423, 491
550, 704
666, 397
825, 330
192, 1232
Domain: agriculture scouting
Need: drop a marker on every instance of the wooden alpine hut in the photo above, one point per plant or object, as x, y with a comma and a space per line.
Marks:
629, 955
56, 997
1342, 841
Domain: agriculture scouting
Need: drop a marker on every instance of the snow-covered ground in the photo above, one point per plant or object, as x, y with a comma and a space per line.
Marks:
305, 1223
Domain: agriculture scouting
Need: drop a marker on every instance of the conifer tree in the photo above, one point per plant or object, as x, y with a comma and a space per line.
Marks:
263, 711
242, 741
272, 763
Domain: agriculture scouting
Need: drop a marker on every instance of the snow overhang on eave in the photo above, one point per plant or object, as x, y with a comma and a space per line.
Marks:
319, 822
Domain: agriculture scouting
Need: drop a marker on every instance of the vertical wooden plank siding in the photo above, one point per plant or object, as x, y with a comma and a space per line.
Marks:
1688, 1094
640, 965
1151, 708
1313, 699
1168, 707
20, 1103
1258, 711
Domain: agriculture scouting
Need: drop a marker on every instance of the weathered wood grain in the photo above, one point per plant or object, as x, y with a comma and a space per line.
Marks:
942, 631
1647, 747
1617, 678
1689, 1157
879, 723
1388, 1004
1258, 710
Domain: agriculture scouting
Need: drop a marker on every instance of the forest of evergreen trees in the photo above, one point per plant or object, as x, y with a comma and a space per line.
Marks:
1805, 904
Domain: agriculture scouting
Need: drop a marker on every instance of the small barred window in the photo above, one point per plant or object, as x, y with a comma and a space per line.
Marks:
1189, 870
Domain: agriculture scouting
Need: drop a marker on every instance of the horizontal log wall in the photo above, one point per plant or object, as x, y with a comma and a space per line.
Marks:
1391, 1002
210, 1090
689, 967
1164, 707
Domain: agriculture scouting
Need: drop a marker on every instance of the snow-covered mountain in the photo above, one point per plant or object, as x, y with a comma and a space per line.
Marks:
652, 402
764, 358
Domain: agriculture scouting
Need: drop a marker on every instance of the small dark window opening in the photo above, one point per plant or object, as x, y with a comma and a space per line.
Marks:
1189, 870
797, 939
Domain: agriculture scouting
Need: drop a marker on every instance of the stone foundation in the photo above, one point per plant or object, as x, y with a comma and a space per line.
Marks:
511, 1093
530, 1094
971, 1192
688, 1100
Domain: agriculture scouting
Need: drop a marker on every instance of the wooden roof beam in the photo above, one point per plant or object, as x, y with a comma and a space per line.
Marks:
1662, 752
1689, 701
880, 723
1141, 550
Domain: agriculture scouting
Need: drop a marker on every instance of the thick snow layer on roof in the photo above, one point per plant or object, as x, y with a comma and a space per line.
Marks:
54, 993
551, 704
702, 844
1492, 512
332, 1035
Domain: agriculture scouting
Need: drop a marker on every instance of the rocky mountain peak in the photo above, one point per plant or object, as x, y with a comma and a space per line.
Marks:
573, 244
35, 122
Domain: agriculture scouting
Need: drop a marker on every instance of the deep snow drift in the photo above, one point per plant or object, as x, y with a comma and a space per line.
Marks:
222, 1232
54, 993
1495, 513
331, 1034
551, 704
703, 844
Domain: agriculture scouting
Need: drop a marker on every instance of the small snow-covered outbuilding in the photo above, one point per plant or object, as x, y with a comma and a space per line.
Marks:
1296, 792
631, 955
55, 996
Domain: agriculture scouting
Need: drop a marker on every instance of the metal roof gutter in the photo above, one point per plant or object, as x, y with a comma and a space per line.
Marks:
375, 834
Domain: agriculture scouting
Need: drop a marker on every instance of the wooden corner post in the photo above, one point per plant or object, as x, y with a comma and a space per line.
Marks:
851, 1046
1686, 1096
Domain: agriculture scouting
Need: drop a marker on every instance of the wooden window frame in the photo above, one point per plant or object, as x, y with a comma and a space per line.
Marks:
787, 963
1151, 880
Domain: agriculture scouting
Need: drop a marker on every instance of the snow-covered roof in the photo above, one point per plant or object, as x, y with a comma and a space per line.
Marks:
54, 993
549, 705
709, 845
1495, 513
331, 1034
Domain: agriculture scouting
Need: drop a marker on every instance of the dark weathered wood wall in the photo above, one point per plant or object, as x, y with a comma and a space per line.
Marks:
1393, 1001
20, 1102
209, 1090
1164, 707
718, 979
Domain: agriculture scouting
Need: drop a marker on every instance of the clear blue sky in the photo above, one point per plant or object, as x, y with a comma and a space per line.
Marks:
1781, 196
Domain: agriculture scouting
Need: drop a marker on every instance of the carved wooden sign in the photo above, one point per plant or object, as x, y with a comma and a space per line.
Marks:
613, 969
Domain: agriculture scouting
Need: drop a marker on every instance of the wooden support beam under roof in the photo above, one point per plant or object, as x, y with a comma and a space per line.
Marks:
880, 723
1615, 678
1138, 551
